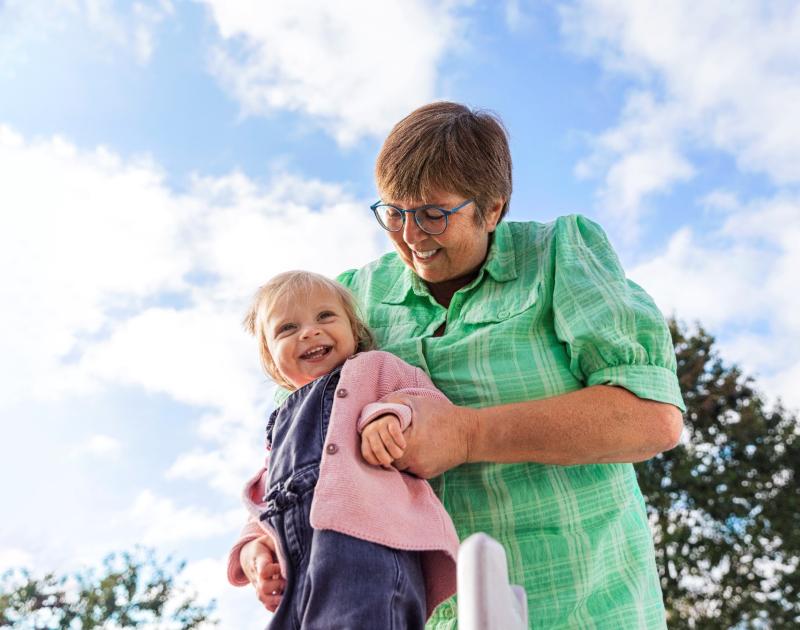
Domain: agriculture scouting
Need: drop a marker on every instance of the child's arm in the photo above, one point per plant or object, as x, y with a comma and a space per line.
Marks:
253, 559
383, 423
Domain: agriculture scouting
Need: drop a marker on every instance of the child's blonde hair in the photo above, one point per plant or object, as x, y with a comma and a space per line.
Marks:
289, 285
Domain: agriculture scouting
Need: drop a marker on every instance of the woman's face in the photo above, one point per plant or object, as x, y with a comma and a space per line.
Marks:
456, 252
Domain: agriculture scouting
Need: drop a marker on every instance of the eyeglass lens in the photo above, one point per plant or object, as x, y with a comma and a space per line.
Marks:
431, 219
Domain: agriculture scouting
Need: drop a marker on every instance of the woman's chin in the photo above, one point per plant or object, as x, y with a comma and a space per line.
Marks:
428, 272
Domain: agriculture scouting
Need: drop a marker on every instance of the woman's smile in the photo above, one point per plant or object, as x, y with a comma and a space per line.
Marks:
455, 253
425, 255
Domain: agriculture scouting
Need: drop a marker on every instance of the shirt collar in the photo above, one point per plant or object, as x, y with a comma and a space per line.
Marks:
500, 265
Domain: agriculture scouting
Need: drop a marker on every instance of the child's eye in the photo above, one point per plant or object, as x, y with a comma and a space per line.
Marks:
326, 314
285, 327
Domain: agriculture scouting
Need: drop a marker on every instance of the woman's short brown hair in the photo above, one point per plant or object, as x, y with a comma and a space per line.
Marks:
290, 285
447, 147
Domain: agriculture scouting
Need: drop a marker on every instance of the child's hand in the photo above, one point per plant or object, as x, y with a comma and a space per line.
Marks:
260, 565
382, 441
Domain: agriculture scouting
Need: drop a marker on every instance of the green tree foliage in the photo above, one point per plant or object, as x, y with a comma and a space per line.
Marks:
131, 590
725, 503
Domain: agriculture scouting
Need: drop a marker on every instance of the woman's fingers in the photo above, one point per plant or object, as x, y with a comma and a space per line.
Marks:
396, 431
390, 441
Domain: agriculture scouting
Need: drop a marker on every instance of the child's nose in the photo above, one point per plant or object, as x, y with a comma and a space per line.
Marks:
309, 331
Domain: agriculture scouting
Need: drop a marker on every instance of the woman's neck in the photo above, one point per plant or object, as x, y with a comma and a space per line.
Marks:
444, 291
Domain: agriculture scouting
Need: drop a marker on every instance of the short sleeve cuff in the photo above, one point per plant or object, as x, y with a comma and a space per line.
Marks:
652, 382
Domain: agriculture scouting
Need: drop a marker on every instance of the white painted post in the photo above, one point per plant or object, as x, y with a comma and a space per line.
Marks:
486, 601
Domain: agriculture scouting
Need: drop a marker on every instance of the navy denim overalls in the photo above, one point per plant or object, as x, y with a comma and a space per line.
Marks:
334, 580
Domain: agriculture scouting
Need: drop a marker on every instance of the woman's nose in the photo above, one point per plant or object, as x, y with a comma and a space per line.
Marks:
411, 231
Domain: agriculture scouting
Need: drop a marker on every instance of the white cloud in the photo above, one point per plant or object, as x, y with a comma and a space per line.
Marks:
695, 280
94, 248
160, 522
236, 453
145, 19
254, 231
516, 16
83, 234
646, 158
99, 445
708, 75
741, 283
197, 355
354, 66
131, 27
720, 78
111, 279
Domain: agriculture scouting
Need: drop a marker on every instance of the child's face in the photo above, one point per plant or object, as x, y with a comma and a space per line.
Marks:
309, 336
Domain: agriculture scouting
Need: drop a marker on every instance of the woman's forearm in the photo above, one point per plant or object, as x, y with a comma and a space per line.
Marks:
599, 424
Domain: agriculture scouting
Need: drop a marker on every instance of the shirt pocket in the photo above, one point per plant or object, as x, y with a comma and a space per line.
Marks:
495, 306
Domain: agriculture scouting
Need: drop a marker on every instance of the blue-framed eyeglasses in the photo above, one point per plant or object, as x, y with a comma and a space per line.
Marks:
430, 219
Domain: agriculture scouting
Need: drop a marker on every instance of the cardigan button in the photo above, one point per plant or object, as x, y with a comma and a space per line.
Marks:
332, 449
341, 393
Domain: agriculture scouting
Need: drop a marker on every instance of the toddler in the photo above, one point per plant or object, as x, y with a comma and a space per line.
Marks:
352, 542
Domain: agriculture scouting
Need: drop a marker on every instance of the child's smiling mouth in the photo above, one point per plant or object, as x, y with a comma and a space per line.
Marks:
317, 352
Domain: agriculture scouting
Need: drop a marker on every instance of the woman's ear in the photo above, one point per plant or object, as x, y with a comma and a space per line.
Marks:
493, 213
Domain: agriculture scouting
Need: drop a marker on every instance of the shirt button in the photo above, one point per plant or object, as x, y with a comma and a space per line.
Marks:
448, 613
332, 449
503, 314
341, 393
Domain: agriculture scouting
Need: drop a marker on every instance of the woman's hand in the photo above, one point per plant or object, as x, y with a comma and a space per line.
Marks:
260, 565
439, 437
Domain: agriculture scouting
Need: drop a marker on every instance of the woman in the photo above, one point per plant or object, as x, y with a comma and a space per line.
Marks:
561, 373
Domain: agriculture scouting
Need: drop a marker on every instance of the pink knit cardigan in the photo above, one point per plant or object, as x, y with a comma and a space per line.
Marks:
352, 497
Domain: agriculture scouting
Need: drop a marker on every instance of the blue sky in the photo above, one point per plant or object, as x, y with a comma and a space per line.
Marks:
161, 159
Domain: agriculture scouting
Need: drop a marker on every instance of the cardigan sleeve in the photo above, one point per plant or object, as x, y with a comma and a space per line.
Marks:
251, 496
372, 411
405, 380
250, 531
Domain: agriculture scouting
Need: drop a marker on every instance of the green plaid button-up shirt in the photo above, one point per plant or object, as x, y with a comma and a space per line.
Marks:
549, 313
